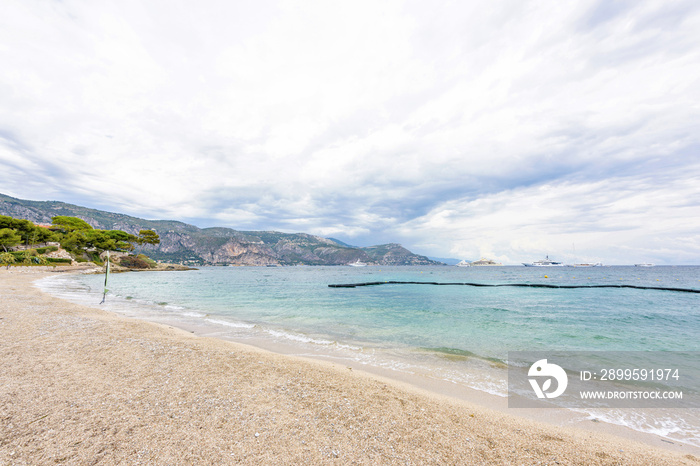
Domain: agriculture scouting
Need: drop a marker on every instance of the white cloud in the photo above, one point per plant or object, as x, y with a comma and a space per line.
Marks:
613, 220
362, 118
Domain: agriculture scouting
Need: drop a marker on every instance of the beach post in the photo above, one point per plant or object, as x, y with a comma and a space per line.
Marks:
104, 293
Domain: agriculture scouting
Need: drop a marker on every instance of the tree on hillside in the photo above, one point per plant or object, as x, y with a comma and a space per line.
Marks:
112, 240
7, 222
74, 242
24, 228
74, 234
9, 238
148, 237
123, 240
44, 235
28, 232
69, 224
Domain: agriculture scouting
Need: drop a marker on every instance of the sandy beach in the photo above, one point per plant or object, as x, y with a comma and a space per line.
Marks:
83, 386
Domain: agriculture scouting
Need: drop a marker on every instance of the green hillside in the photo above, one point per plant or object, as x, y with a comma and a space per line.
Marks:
188, 244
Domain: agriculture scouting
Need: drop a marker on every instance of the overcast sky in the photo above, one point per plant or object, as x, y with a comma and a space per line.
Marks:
502, 129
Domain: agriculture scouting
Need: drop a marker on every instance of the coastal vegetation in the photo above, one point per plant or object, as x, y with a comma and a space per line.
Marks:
181, 243
68, 239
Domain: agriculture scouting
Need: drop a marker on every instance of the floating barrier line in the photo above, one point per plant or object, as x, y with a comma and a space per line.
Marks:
521, 285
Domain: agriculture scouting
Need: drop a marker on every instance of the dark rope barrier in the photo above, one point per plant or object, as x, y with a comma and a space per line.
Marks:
521, 285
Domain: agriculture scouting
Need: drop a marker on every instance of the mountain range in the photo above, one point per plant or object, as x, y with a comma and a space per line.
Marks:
188, 244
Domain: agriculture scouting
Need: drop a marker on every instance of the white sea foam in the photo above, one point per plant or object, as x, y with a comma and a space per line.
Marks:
230, 324
483, 383
299, 338
173, 307
664, 424
348, 347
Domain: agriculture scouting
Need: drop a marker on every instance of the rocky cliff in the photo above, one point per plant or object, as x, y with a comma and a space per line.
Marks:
184, 243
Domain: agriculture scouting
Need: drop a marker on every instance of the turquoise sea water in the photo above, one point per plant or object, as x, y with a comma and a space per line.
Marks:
455, 333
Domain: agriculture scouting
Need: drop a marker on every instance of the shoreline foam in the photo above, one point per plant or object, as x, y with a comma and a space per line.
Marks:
80, 383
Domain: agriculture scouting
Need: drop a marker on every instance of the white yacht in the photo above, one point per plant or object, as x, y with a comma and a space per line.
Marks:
546, 262
484, 262
357, 263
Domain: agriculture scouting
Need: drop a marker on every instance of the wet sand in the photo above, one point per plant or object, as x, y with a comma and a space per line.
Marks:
83, 386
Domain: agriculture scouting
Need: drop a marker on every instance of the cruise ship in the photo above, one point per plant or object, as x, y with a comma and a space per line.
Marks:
546, 262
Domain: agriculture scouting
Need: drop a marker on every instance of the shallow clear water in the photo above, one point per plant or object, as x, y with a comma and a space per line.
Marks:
485, 321
456, 333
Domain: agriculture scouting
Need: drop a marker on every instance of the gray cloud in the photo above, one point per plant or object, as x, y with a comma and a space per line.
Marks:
470, 129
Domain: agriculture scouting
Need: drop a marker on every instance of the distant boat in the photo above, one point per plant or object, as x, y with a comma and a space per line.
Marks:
483, 262
546, 262
463, 264
357, 263
584, 264
644, 265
